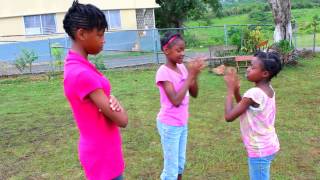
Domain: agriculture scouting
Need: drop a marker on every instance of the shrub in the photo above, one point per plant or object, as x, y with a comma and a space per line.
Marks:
252, 37
234, 35
98, 61
191, 40
26, 58
285, 49
57, 52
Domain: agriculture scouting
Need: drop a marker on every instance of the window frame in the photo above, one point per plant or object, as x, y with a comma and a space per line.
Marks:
41, 24
108, 17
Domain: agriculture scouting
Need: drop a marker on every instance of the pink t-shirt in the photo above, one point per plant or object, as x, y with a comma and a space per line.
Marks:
257, 125
100, 150
169, 114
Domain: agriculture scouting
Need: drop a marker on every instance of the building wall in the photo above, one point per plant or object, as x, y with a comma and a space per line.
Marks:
128, 19
15, 25
14, 8
12, 31
12, 12
11, 26
59, 22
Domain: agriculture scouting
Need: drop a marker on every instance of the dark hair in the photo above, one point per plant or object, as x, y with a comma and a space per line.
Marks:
167, 37
270, 61
85, 16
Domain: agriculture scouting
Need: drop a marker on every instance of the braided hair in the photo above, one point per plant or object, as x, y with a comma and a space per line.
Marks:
85, 16
271, 62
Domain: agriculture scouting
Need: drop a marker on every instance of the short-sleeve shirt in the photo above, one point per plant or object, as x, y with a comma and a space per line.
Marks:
100, 150
170, 114
257, 125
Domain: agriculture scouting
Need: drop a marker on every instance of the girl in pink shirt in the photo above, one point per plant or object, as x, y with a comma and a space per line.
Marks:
257, 112
175, 82
88, 93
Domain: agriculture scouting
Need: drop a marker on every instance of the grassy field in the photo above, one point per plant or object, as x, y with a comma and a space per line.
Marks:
215, 35
39, 137
302, 16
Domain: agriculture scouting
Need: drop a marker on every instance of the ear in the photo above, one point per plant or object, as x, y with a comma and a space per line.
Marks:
265, 74
81, 34
166, 50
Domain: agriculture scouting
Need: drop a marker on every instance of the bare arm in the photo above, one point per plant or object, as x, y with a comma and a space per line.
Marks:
194, 88
100, 99
237, 95
233, 91
199, 64
176, 97
231, 113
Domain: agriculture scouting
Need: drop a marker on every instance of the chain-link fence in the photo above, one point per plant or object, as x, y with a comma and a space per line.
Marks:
135, 47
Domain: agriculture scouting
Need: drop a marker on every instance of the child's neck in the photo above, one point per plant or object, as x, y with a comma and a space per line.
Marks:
78, 49
262, 83
171, 64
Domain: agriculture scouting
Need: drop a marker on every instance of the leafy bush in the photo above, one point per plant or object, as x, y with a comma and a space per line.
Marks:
234, 35
252, 38
98, 61
285, 49
57, 52
20, 64
191, 40
26, 58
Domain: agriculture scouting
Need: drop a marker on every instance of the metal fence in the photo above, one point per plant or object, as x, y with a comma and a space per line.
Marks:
131, 47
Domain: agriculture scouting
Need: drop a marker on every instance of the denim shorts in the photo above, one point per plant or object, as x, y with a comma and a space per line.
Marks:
259, 168
174, 144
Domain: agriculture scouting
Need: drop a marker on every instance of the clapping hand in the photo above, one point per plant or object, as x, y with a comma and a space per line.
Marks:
231, 79
196, 66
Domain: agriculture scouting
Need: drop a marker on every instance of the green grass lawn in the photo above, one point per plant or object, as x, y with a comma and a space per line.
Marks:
215, 35
39, 137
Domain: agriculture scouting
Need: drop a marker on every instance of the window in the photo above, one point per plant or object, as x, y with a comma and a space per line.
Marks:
40, 24
113, 18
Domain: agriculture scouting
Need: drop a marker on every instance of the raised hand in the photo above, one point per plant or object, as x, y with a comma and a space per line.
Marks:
196, 66
231, 79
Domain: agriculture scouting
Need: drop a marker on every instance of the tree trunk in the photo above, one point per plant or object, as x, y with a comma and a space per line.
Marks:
281, 10
178, 24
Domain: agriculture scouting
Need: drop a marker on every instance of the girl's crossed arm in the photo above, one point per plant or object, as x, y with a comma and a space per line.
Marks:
101, 100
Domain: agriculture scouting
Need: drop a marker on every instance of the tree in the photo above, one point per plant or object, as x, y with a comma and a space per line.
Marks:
281, 10
175, 13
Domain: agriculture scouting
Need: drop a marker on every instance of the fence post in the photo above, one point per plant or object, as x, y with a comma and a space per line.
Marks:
66, 44
241, 41
314, 39
155, 48
51, 59
295, 35
225, 35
